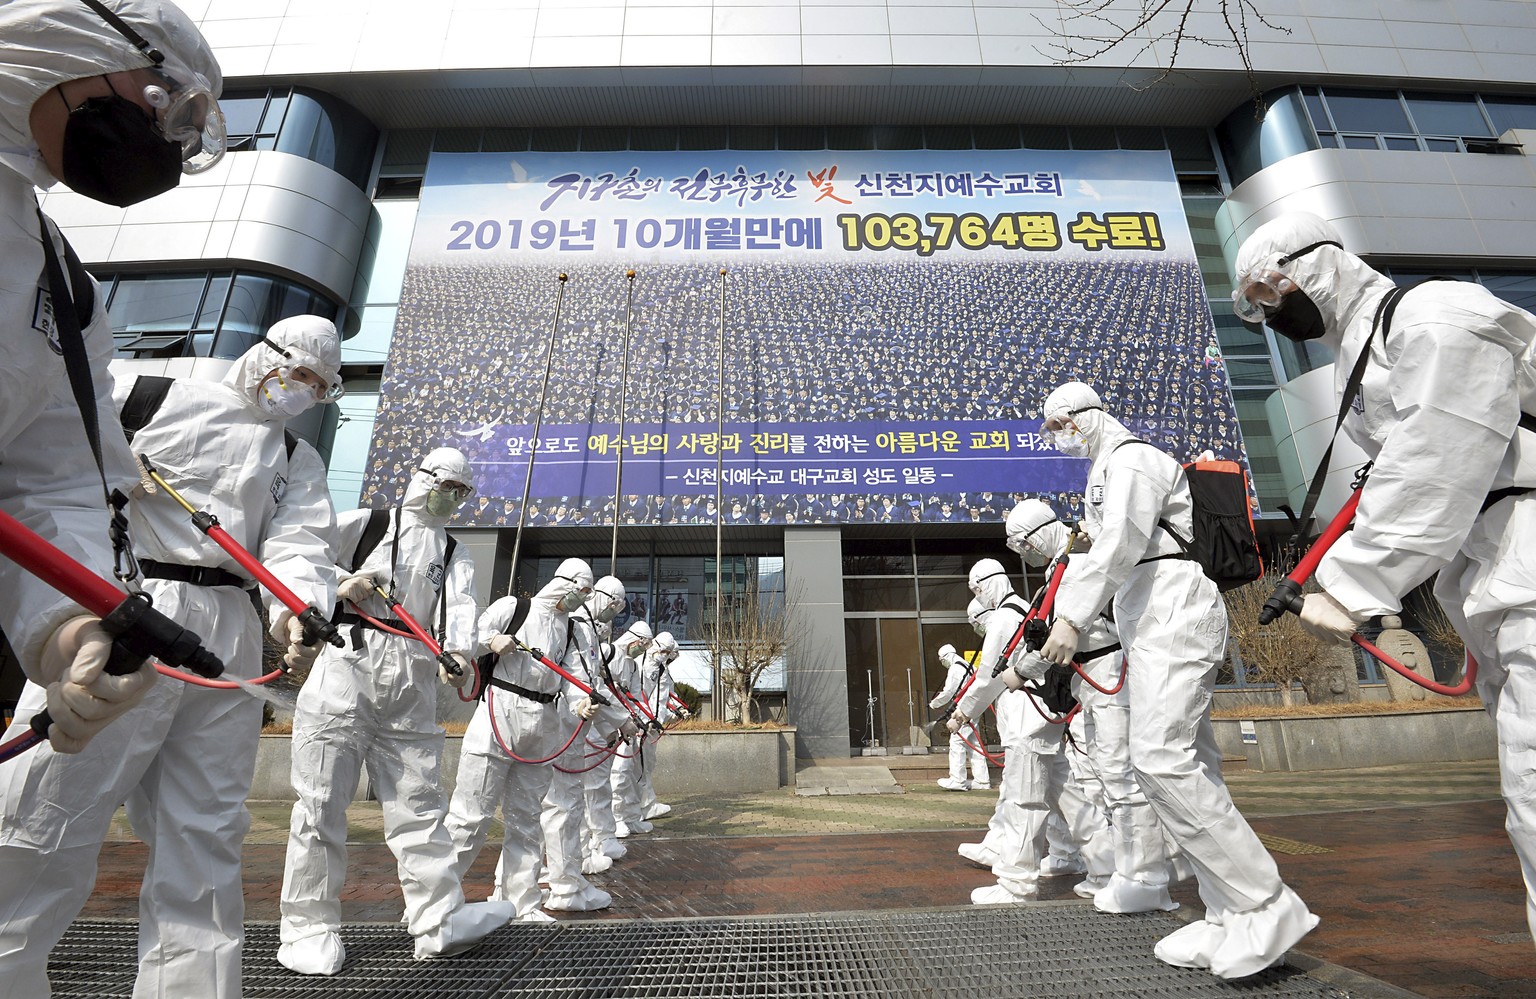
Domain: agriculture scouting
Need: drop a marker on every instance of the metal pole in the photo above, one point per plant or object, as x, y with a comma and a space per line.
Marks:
618, 473
538, 424
719, 495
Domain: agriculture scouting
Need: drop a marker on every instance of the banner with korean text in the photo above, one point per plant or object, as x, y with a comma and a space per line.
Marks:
891, 323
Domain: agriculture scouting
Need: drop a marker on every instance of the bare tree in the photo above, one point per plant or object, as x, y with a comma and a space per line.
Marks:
754, 633
1281, 652
1439, 633
1091, 28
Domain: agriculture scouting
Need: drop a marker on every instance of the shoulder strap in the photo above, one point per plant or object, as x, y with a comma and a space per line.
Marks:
373, 533
519, 615
442, 596
1383, 321
143, 402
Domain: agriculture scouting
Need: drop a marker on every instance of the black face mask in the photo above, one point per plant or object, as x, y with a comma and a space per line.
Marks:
1297, 318
113, 154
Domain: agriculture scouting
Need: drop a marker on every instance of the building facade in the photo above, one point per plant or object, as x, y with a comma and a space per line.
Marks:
1408, 123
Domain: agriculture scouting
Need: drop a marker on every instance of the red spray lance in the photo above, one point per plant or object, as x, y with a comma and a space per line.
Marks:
138, 630
317, 626
396, 608
1287, 596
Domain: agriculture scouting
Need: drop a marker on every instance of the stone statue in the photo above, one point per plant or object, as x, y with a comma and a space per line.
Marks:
1406, 648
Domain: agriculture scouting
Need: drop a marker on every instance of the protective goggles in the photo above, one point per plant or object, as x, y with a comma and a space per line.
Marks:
452, 488
1020, 544
186, 112
327, 389
1259, 290
583, 591
1058, 422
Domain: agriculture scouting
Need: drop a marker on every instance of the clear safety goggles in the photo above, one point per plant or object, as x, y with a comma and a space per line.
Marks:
1020, 544
576, 588
1061, 421
304, 363
452, 488
1259, 290
1259, 293
187, 113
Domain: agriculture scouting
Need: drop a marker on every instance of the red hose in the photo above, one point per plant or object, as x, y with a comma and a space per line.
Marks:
198, 681
496, 731
15, 747
1468, 680
1125, 662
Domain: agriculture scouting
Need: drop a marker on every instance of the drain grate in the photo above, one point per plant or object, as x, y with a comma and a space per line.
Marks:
1063, 950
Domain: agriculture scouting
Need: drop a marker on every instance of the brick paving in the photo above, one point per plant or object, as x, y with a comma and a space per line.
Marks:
1409, 867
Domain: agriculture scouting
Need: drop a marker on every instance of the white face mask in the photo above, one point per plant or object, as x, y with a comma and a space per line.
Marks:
284, 400
1070, 443
980, 626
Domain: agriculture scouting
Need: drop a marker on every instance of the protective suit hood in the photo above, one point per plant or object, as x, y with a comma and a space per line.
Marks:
946, 651
572, 570
49, 42
977, 615
309, 335
1079, 401
1339, 283
637, 629
1034, 525
444, 463
989, 582
608, 590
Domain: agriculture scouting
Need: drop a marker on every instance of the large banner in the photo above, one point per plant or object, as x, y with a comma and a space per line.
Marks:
891, 323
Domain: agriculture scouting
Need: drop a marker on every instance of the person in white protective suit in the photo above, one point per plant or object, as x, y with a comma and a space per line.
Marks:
958, 674
1447, 411
631, 774
1034, 769
564, 816
374, 701
621, 677
59, 56
1132, 837
528, 715
1173, 627
183, 759
659, 685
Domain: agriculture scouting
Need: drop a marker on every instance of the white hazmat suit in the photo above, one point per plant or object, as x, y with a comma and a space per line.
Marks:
623, 683
374, 701
1034, 770
49, 480
1173, 627
958, 673
1445, 410
183, 759
565, 805
1138, 878
633, 794
523, 714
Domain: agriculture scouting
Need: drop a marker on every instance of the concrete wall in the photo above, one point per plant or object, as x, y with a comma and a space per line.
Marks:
1336, 743
817, 679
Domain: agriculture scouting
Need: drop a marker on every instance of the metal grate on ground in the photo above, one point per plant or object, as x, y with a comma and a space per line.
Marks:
1061, 950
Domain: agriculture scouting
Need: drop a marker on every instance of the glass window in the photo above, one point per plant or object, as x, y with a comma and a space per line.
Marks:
941, 595
996, 136
555, 140
1516, 289
947, 137
1045, 137
256, 302
850, 137
898, 137
242, 114
1367, 111
277, 107
1510, 112
1401, 142
156, 302
1313, 102
809, 137
1442, 145
604, 139
879, 595
1361, 142
1327, 140
504, 140
406, 152
456, 140
1250, 371
1191, 149
656, 139
753, 137
1447, 114
1091, 137
1140, 137
703, 137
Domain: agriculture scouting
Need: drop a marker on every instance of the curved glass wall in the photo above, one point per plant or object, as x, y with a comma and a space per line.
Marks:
1303, 118
201, 313
305, 123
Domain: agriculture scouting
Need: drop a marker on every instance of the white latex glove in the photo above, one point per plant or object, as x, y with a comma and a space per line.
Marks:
685, 713
586, 709
1010, 679
956, 720
288, 632
466, 671
1029, 666
1061, 645
356, 588
82, 699
501, 644
629, 729
1325, 618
